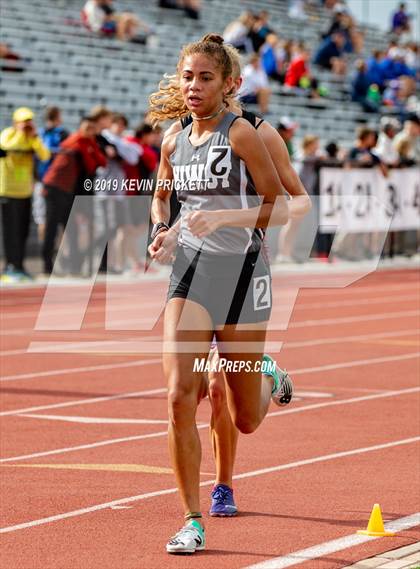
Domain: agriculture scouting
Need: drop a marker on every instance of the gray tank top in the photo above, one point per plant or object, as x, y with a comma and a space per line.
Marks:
212, 177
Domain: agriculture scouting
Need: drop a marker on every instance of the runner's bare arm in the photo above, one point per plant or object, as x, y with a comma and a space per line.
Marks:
161, 211
301, 202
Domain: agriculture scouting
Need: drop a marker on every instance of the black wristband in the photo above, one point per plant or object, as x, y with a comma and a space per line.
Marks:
157, 228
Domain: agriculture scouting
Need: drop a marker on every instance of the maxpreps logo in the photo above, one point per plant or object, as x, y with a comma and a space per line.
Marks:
200, 177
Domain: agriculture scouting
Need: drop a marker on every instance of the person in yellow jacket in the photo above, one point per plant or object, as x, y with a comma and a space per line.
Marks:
20, 144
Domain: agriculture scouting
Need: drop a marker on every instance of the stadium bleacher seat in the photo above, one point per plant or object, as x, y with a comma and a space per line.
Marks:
70, 67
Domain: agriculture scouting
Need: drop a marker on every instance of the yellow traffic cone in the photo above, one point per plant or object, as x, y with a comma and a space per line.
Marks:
376, 525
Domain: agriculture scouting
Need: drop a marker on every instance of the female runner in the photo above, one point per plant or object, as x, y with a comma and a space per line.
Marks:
217, 236
224, 434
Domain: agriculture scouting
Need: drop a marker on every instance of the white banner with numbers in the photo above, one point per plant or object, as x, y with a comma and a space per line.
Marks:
361, 200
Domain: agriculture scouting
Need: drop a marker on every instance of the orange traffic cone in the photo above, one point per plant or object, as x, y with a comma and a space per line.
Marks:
376, 525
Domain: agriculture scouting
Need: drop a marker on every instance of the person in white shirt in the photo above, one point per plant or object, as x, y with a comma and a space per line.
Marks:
236, 33
384, 148
255, 87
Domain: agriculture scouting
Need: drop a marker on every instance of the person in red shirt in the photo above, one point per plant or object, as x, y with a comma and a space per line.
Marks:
76, 162
298, 73
143, 137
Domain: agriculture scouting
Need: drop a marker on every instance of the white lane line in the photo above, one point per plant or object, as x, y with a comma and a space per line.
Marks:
104, 344
343, 339
110, 344
348, 290
162, 390
328, 547
129, 499
90, 401
353, 289
310, 407
127, 347
282, 305
94, 445
297, 396
119, 325
348, 319
134, 323
127, 303
164, 433
313, 394
357, 302
356, 363
299, 306
64, 371
96, 420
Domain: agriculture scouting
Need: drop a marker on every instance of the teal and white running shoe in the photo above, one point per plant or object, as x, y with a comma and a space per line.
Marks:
189, 539
282, 391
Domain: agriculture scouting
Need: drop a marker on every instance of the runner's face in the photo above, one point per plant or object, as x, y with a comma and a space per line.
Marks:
202, 85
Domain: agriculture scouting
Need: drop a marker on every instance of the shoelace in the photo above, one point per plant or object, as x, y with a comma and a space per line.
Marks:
221, 494
183, 531
284, 383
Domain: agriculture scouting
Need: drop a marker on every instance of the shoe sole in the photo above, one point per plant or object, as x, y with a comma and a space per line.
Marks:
184, 551
223, 515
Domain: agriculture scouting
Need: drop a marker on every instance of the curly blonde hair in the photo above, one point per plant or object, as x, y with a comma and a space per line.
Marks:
168, 103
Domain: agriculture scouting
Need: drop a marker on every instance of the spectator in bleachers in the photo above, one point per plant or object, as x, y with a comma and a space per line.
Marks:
412, 58
393, 65
260, 30
400, 20
298, 73
269, 57
344, 23
286, 129
362, 155
407, 142
100, 16
330, 54
398, 93
363, 91
78, 159
374, 69
21, 144
192, 8
398, 56
297, 10
9, 60
255, 88
385, 148
237, 32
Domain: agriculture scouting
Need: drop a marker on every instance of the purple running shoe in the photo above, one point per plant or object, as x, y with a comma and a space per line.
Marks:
222, 502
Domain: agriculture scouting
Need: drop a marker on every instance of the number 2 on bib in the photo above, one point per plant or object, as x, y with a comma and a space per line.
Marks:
261, 292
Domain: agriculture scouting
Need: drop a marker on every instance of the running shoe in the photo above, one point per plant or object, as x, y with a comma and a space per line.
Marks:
282, 391
222, 502
189, 539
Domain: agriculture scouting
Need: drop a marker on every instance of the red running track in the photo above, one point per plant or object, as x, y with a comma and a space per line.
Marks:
85, 474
